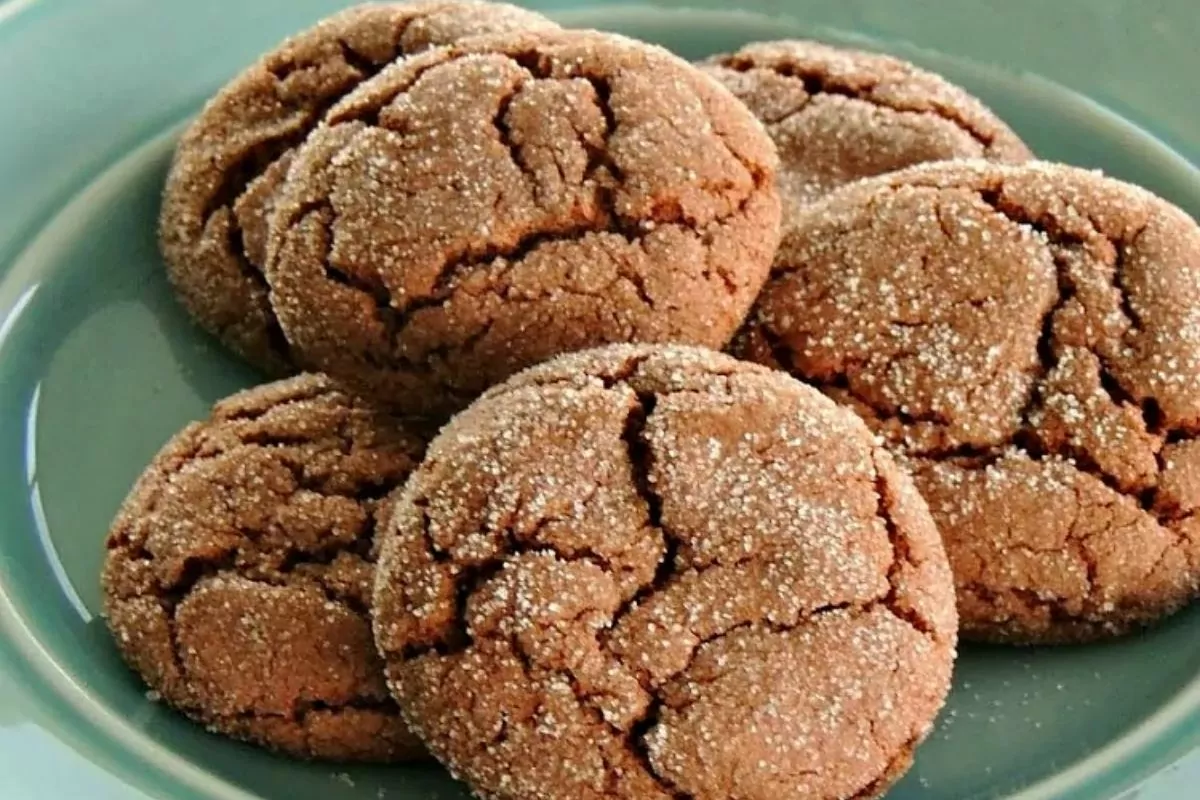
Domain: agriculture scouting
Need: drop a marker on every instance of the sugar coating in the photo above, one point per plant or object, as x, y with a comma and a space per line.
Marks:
1028, 338
238, 574
838, 115
230, 161
479, 208
657, 572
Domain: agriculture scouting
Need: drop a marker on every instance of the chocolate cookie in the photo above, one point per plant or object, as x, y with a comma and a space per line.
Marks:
238, 574
838, 115
1029, 338
656, 572
221, 186
476, 209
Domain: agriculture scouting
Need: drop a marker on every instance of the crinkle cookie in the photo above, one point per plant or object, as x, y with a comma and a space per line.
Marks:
1028, 338
476, 209
228, 165
657, 572
237, 582
838, 115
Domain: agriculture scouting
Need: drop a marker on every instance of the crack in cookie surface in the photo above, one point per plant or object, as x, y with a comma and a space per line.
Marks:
1051, 357
231, 161
238, 574
493, 204
605, 535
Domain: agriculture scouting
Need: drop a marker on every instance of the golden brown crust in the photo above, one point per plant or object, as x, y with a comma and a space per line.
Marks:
479, 208
838, 115
238, 574
231, 160
1028, 337
656, 572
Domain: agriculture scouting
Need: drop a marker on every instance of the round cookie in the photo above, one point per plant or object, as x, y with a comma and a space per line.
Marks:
237, 581
230, 161
657, 572
838, 115
1029, 338
477, 209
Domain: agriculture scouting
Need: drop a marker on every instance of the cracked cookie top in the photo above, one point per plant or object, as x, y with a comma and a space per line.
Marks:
238, 575
231, 160
1029, 338
838, 115
657, 572
479, 208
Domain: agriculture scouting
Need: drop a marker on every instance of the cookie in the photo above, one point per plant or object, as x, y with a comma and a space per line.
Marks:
838, 115
230, 161
237, 580
656, 572
477, 209
1028, 337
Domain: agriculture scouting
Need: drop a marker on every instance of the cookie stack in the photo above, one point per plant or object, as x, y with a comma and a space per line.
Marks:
629, 565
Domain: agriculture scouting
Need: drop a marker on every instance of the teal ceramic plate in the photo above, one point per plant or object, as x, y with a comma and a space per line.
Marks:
98, 366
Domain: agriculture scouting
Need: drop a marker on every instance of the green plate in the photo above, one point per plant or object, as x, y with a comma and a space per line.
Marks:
98, 366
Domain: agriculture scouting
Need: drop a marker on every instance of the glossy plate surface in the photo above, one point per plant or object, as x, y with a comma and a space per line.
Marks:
98, 366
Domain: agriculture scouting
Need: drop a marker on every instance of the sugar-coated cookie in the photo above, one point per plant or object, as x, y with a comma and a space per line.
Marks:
230, 161
238, 575
838, 115
476, 209
1028, 338
657, 572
